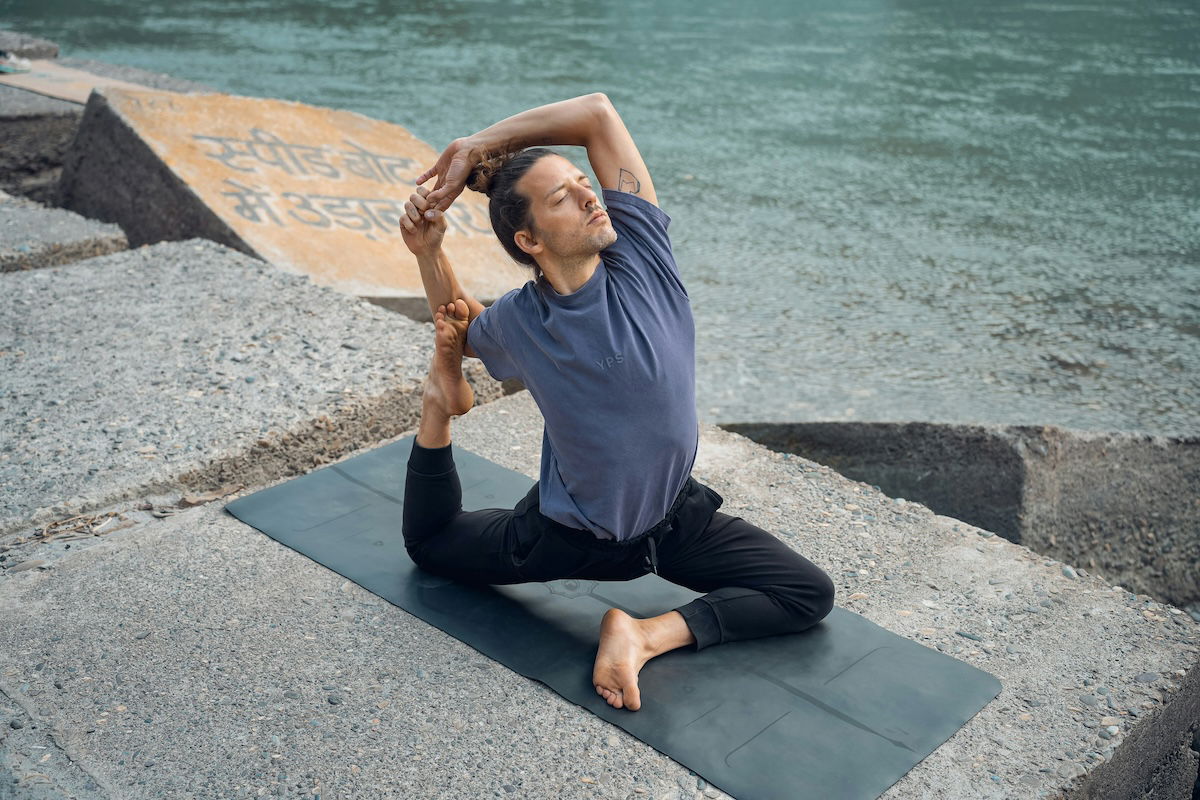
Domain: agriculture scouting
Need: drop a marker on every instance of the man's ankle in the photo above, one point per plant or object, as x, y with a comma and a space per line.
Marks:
434, 428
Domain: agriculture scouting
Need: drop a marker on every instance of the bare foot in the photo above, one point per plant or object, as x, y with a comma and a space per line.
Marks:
624, 650
446, 388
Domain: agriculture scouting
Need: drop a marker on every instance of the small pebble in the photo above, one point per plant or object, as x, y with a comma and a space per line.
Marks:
1147, 677
1069, 572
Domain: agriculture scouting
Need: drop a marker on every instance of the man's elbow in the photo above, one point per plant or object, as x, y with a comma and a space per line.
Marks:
600, 105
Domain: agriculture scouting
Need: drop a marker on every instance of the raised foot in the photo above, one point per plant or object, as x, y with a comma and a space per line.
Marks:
624, 649
446, 389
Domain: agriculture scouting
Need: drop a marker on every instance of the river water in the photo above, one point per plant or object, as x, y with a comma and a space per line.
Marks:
948, 210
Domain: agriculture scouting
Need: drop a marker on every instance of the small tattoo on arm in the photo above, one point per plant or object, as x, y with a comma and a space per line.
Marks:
627, 182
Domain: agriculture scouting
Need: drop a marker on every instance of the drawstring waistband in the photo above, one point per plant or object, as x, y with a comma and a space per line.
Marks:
650, 537
652, 559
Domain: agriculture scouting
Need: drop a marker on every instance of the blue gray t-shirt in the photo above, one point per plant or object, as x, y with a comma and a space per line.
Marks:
612, 367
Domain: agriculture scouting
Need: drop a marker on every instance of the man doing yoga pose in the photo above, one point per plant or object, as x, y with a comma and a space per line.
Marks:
603, 339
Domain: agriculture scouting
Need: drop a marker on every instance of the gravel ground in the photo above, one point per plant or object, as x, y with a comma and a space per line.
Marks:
189, 364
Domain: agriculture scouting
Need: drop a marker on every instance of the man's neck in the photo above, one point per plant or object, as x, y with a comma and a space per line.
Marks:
567, 277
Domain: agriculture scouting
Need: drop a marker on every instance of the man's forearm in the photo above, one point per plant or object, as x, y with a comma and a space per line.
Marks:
441, 285
567, 122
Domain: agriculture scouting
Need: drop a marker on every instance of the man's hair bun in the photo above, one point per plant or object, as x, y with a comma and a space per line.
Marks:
480, 179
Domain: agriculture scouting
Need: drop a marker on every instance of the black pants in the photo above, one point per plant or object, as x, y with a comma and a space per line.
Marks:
756, 585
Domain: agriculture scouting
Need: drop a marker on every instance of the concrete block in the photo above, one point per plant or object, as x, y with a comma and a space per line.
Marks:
313, 190
207, 656
36, 130
32, 235
26, 46
1121, 504
190, 366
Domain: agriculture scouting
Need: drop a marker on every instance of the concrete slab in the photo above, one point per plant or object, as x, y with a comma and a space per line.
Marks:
313, 190
192, 655
1122, 504
36, 129
190, 365
26, 46
48, 77
33, 235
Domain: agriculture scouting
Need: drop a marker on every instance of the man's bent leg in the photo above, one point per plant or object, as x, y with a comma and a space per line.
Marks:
438, 534
470, 546
757, 585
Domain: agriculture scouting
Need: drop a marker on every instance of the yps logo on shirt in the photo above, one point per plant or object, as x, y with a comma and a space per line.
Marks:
610, 361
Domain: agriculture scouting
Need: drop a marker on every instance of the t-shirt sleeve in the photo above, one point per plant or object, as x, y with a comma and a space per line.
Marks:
485, 335
642, 237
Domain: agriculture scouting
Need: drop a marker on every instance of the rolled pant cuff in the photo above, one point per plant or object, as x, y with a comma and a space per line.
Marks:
702, 620
431, 461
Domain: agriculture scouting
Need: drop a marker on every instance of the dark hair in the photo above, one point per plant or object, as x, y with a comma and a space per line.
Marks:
497, 177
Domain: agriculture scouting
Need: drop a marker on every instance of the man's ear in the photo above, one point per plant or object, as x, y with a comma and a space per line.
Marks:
526, 242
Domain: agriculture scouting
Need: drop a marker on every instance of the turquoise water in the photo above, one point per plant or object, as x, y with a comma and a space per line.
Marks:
948, 210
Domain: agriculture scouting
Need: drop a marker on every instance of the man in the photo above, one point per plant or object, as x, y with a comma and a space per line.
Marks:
604, 340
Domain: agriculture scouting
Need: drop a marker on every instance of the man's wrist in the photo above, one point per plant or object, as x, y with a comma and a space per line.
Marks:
432, 256
475, 147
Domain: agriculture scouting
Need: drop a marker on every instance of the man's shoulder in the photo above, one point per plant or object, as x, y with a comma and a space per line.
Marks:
635, 205
514, 301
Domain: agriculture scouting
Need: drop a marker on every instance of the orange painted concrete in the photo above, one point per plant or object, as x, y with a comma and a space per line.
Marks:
314, 189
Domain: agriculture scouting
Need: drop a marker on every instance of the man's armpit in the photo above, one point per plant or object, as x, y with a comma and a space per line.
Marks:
628, 182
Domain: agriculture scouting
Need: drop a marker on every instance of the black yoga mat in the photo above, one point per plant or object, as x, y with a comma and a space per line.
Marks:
842, 710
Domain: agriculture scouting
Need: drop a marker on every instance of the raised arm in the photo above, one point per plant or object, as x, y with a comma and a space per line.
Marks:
424, 238
589, 121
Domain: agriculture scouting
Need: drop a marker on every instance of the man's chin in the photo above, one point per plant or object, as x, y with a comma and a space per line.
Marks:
605, 239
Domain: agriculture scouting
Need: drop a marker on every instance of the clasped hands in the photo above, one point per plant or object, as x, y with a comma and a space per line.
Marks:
424, 222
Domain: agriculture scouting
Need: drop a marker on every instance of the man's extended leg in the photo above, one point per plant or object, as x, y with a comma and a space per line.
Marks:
757, 586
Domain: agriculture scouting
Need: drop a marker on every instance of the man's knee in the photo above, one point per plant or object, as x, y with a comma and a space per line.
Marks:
811, 597
420, 555
823, 597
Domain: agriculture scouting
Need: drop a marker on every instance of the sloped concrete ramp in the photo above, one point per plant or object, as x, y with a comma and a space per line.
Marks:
194, 656
313, 190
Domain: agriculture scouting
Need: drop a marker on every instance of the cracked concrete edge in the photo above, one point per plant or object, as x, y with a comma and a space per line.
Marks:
1032, 484
1136, 766
354, 424
41, 777
53, 255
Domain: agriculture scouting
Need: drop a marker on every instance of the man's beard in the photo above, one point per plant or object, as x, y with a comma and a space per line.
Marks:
584, 247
